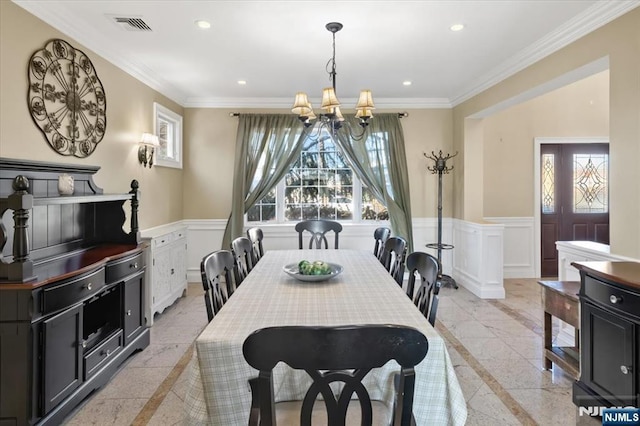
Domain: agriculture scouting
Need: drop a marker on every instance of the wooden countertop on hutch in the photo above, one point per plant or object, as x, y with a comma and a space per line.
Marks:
74, 264
624, 273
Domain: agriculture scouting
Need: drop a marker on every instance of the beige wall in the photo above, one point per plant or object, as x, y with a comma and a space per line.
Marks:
620, 41
580, 109
209, 159
129, 114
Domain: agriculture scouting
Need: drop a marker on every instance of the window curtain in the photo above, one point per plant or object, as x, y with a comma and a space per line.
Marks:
266, 146
382, 145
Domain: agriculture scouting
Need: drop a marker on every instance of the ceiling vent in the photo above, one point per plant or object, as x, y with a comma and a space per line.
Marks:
131, 23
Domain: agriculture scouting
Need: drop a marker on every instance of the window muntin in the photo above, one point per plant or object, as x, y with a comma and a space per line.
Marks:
168, 128
548, 184
320, 185
590, 183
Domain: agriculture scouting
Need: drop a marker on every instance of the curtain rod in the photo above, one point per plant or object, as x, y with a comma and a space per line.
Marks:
400, 114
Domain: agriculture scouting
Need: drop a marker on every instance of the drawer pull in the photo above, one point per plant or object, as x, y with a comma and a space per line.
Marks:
107, 352
625, 369
134, 265
615, 299
89, 286
84, 344
129, 312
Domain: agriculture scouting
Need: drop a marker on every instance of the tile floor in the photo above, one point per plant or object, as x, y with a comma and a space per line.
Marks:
494, 345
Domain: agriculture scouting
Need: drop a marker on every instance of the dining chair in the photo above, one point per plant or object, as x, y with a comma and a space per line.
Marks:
318, 229
243, 254
342, 354
381, 235
394, 252
214, 267
426, 267
256, 236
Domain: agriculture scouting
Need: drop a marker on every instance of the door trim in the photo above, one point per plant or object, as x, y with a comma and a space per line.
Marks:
536, 183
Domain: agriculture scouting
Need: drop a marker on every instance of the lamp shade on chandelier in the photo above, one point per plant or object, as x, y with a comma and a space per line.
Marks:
330, 104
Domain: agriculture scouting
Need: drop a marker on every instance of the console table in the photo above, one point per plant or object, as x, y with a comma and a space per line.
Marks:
71, 288
560, 300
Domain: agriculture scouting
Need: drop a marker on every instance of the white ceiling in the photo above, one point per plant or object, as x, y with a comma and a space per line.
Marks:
281, 47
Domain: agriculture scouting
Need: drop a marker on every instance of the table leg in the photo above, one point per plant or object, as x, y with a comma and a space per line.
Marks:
547, 340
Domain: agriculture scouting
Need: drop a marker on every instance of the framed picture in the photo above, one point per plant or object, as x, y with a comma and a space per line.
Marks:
168, 128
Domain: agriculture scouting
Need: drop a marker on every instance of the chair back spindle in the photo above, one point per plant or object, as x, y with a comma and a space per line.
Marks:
343, 354
318, 229
214, 268
425, 267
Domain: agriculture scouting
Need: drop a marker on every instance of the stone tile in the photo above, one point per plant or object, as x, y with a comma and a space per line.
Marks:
170, 412
134, 382
528, 347
488, 348
163, 334
509, 329
521, 374
107, 412
470, 328
452, 314
179, 388
547, 405
487, 409
159, 355
469, 381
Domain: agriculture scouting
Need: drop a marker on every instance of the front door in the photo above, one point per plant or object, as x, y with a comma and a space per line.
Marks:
574, 197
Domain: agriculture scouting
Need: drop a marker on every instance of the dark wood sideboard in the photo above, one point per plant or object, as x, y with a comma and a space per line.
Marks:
610, 335
71, 288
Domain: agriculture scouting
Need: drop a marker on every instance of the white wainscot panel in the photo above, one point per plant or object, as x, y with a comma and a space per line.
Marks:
478, 260
205, 236
519, 246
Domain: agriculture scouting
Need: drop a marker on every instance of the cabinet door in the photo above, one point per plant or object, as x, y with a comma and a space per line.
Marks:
608, 342
179, 269
61, 356
133, 307
162, 275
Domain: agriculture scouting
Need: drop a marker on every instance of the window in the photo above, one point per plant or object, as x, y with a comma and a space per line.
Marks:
168, 128
319, 185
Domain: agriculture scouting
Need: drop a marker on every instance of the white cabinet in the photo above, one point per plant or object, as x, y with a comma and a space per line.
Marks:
166, 270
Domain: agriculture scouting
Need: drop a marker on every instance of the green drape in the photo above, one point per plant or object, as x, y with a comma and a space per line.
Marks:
382, 145
266, 144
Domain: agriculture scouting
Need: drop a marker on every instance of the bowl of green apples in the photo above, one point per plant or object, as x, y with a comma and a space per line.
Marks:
312, 271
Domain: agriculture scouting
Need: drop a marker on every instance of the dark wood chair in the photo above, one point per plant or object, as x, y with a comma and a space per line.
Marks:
243, 254
393, 256
426, 267
343, 354
256, 236
318, 229
381, 235
213, 268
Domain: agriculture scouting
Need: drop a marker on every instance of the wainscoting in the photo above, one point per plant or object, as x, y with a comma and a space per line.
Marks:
473, 262
519, 246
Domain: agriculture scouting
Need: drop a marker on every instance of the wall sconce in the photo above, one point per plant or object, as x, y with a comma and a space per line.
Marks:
148, 143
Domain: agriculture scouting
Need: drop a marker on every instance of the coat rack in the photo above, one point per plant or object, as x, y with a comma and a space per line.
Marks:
440, 167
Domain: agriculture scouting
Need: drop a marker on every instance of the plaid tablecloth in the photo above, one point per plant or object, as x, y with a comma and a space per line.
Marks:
365, 293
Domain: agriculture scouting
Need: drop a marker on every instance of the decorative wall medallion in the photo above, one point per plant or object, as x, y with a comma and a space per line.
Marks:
66, 99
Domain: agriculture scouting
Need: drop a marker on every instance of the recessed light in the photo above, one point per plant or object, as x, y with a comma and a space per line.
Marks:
242, 82
203, 24
456, 27
406, 83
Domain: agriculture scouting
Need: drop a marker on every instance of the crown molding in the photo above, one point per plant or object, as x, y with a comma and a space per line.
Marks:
596, 16
77, 30
590, 20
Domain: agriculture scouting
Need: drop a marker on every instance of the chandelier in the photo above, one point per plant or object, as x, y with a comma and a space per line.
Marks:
332, 117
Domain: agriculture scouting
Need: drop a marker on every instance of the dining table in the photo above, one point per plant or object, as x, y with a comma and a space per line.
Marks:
363, 293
